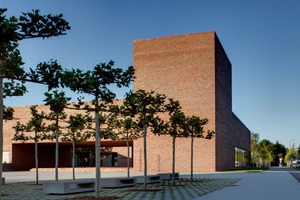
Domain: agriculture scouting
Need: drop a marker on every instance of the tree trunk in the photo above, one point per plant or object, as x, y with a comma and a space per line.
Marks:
56, 149
145, 157
97, 147
127, 155
173, 163
36, 159
73, 162
192, 156
1, 121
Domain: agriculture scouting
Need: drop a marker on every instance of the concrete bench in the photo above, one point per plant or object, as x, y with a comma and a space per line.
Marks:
68, 186
117, 182
168, 176
150, 179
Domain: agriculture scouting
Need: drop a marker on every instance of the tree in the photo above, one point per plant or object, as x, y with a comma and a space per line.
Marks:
279, 151
8, 113
175, 127
76, 124
265, 153
28, 25
96, 83
290, 154
57, 102
128, 130
254, 146
195, 128
298, 152
35, 125
269, 146
143, 106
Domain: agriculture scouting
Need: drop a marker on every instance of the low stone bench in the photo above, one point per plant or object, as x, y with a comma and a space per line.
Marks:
68, 186
150, 179
117, 182
168, 176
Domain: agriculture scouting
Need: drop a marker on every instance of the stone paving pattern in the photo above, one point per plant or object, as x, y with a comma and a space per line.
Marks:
202, 186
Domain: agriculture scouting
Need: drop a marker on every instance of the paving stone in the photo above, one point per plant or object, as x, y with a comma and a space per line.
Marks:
29, 190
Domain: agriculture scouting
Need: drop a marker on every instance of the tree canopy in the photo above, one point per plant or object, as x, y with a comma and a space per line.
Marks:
95, 82
143, 106
14, 29
292, 153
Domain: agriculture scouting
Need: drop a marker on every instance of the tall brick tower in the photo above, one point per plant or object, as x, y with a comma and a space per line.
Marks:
195, 70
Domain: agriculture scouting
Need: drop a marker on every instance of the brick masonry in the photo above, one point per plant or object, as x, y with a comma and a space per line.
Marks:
195, 70
191, 68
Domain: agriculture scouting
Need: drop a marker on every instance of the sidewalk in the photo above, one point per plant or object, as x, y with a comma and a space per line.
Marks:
276, 184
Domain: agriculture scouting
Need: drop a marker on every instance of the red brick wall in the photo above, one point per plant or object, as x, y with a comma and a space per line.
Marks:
224, 134
230, 131
182, 67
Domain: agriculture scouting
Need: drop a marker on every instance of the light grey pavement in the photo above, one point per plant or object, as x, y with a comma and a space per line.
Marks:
275, 183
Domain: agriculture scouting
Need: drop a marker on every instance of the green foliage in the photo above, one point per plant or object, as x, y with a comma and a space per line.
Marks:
12, 62
246, 170
254, 141
28, 25
33, 25
254, 146
13, 88
266, 143
276, 150
265, 153
128, 129
279, 151
8, 34
78, 126
49, 73
264, 149
8, 113
12, 30
51, 131
143, 106
19, 133
106, 126
195, 127
175, 127
57, 102
35, 124
96, 82
291, 153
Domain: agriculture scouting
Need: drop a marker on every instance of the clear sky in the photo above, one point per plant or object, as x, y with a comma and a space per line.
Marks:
261, 39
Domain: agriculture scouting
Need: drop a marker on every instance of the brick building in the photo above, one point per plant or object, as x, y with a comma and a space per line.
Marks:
191, 68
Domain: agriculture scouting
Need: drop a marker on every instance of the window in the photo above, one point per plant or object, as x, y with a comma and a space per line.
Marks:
242, 157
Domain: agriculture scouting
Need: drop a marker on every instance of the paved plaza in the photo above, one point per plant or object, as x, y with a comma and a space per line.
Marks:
276, 183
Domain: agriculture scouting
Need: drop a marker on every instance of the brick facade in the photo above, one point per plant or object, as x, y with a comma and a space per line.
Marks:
193, 69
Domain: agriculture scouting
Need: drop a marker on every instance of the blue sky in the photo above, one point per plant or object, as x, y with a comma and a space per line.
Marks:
261, 39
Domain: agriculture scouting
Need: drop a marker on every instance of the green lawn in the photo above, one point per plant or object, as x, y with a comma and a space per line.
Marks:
246, 170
